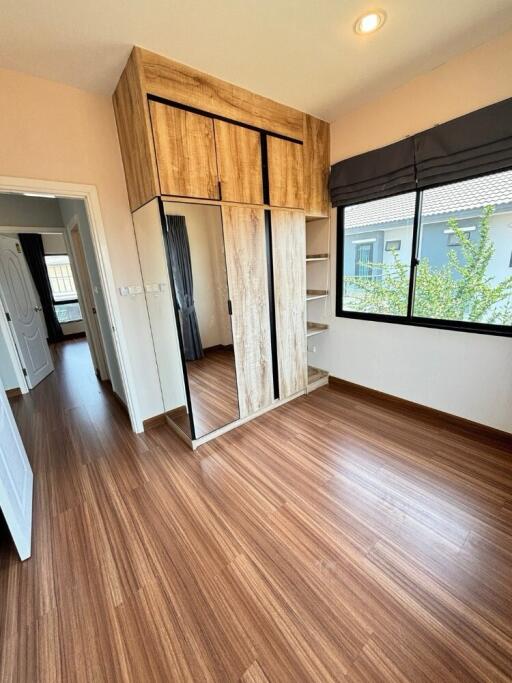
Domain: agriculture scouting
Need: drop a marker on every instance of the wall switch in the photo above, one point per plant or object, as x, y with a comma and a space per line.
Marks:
134, 289
123, 291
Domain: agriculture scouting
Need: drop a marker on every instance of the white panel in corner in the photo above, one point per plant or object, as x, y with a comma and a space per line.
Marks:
155, 275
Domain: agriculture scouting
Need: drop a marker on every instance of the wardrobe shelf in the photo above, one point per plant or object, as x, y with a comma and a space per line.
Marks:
315, 374
312, 294
317, 257
316, 328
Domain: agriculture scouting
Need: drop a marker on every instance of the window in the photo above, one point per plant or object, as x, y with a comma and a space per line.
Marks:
393, 245
65, 299
364, 258
453, 237
373, 274
439, 257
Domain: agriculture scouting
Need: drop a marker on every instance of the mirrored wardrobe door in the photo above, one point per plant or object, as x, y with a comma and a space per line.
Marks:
197, 261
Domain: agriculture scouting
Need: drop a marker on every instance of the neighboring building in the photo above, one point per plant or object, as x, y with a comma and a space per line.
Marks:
376, 229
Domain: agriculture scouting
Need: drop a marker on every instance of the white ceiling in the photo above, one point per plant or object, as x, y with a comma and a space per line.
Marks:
301, 52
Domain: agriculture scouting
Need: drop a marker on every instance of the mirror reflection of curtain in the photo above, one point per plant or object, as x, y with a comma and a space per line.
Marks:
183, 282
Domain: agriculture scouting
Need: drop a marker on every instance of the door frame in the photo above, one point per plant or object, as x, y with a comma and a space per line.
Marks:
89, 194
92, 328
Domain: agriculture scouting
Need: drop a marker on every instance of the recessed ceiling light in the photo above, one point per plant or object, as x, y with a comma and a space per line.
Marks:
370, 22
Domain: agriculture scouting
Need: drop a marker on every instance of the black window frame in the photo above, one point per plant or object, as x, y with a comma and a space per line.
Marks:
64, 301
409, 318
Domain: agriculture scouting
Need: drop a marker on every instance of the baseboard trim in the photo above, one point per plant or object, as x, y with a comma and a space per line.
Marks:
433, 415
218, 347
12, 393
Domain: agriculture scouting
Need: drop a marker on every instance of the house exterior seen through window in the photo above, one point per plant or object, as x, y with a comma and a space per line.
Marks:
461, 265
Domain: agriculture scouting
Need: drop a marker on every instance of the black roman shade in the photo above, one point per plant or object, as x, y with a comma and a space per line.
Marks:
471, 145
373, 175
465, 147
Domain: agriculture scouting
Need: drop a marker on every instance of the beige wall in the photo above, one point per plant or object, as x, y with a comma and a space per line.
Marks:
54, 243
469, 375
463, 84
54, 132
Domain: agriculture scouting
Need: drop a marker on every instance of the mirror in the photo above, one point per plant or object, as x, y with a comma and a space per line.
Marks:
195, 245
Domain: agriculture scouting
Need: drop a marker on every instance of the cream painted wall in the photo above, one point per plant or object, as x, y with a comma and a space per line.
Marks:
469, 375
54, 243
55, 132
24, 212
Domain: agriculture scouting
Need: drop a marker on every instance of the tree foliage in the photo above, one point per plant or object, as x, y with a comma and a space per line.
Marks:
462, 289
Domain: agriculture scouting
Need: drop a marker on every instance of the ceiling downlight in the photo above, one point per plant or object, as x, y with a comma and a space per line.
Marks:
370, 22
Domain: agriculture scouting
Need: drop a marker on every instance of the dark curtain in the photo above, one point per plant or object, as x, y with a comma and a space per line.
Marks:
468, 146
183, 283
380, 173
465, 147
33, 250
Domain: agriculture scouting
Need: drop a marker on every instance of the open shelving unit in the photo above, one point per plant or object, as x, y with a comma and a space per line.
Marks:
317, 292
312, 294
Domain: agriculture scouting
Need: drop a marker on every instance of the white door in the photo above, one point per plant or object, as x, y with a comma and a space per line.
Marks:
15, 480
22, 304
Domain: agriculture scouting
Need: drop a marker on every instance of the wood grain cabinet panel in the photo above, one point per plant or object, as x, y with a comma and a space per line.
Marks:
316, 166
289, 262
246, 260
135, 139
185, 152
285, 173
179, 83
239, 163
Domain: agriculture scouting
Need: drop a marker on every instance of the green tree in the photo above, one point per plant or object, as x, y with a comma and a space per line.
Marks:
462, 289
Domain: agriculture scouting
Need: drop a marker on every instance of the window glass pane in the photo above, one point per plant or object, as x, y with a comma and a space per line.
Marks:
61, 277
465, 241
68, 313
377, 255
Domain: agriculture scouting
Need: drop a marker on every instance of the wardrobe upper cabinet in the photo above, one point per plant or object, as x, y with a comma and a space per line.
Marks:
239, 163
285, 173
185, 152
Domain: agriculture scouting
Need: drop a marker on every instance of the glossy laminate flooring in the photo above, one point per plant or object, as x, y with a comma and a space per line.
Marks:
334, 539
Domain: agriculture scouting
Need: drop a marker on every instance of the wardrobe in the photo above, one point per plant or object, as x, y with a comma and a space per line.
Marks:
220, 183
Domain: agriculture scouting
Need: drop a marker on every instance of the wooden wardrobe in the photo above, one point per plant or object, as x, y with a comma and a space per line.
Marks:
190, 137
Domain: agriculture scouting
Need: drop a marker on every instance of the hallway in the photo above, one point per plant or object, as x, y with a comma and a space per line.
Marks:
301, 547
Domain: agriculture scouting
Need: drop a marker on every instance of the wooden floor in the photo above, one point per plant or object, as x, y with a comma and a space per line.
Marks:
333, 539
213, 391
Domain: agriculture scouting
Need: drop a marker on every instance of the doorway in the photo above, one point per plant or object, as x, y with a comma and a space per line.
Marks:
51, 291
52, 403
